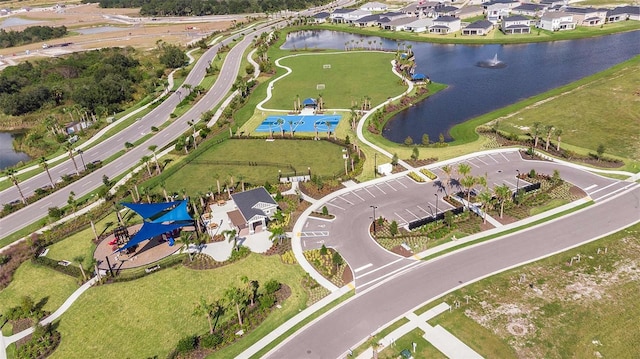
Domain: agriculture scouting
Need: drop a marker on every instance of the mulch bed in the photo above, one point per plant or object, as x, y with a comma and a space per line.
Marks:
312, 190
347, 275
20, 325
401, 251
421, 162
577, 191
278, 248
283, 293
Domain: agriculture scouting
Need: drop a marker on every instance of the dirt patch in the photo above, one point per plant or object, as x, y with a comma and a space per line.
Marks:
401, 251
421, 162
283, 293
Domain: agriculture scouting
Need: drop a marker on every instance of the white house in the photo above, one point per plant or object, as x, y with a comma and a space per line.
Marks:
480, 27
399, 24
419, 25
496, 12
557, 21
445, 25
374, 6
516, 24
529, 9
587, 16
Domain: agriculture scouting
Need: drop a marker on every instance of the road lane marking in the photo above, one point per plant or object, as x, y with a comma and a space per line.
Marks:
86, 184
591, 187
614, 192
379, 268
314, 234
598, 190
363, 267
46, 205
401, 269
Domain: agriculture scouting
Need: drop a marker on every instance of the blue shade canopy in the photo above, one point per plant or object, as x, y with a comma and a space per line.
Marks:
179, 213
146, 210
418, 77
308, 101
150, 230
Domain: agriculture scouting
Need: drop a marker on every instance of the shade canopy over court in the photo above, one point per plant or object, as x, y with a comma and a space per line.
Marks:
158, 218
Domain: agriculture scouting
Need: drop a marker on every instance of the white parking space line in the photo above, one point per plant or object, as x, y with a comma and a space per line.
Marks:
379, 268
591, 187
335, 205
401, 218
344, 199
423, 210
314, 234
509, 183
505, 157
376, 186
369, 192
363, 267
355, 194
496, 161
390, 186
478, 158
413, 214
400, 183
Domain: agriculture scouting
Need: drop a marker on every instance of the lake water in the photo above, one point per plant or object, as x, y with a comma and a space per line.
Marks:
8, 156
531, 69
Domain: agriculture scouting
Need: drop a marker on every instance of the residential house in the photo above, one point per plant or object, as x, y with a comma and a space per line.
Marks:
411, 10
510, 3
374, 6
516, 24
622, 13
557, 21
496, 12
399, 24
469, 11
254, 209
75, 127
553, 3
419, 25
320, 17
587, 16
529, 9
347, 15
393, 15
480, 27
445, 25
446, 11
428, 8
367, 21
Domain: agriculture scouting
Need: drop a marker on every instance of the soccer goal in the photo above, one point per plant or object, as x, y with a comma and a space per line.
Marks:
320, 87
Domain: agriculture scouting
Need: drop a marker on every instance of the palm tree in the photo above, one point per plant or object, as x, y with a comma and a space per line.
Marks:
11, 173
549, 129
503, 193
236, 296
315, 127
231, 235
193, 127
468, 182
69, 148
464, 169
558, 133
447, 170
164, 190
485, 198
206, 309
45, 165
280, 122
153, 149
277, 232
252, 288
270, 130
328, 124
217, 177
536, 132
145, 160
291, 127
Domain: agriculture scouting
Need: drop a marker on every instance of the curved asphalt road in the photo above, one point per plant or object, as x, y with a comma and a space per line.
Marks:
413, 282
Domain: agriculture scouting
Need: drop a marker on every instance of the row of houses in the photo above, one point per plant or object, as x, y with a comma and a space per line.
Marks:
510, 16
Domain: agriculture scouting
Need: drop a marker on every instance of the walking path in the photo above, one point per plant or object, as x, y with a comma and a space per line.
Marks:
439, 337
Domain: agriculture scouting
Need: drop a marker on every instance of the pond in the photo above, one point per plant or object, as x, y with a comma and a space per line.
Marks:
530, 69
8, 156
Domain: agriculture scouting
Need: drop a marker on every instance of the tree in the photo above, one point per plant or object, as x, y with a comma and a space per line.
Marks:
600, 151
448, 218
464, 169
549, 130
145, 161
153, 149
393, 228
337, 260
558, 134
231, 235
503, 193
172, 56
45, 165
408, 141
448, 170
485, 198
536, 133
79, 259
415, 154
394, 159
277, 232
206, 309
11, 173
69, 147
425, 139
252, 288
237, 297
468, 182
71, 200
280, 122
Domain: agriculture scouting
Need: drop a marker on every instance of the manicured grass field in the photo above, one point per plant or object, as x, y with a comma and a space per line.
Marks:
324, 159
424, 349
566, 310
147, 317
40, 283
352, 76
604, 110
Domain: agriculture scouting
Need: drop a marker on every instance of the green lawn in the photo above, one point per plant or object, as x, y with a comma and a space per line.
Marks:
603, 110
424, 349
148, 316
324, 159
41, 283
352, 76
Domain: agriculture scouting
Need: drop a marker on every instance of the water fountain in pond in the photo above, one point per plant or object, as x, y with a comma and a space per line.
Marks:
493, 63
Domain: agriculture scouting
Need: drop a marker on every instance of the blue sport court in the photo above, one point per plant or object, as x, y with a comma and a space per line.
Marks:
300, 123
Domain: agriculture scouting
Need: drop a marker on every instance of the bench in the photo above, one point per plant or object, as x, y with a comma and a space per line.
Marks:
152, 269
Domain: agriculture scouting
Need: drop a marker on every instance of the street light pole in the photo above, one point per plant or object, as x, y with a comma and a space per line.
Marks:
517, 185
374, 218
82, 158
375, 164
436, 206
